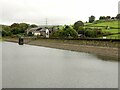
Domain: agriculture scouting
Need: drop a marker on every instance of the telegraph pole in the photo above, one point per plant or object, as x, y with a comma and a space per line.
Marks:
47, 30
46, 22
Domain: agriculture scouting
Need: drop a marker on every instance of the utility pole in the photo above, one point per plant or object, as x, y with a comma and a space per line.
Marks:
47, 30
46, 22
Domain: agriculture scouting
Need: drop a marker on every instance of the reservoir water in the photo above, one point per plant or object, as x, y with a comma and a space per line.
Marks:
0, 65
26, 66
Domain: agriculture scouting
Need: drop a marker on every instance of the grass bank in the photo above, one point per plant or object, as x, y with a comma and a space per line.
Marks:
0, 39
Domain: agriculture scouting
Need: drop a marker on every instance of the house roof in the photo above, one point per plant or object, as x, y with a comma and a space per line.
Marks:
32, 29
38, 29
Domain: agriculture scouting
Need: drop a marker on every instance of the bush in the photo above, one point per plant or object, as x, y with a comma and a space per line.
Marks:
95, 32
66, 32
77, 25
81, 30
6, 33
89, 33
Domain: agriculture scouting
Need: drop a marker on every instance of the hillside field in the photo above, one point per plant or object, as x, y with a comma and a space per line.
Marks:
111, 27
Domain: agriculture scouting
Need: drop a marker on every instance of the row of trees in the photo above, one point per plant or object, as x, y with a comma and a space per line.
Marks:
92, 18
109, 17
77, 29
16, 28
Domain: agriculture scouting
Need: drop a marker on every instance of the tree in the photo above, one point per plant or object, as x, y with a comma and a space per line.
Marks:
91, 19
81, 30
23, 26
6, 31
33, 26
102, 18
70, 32
77, 25
118, 16
19, 28
92, 32
14, 25
112, 18
66, 32
16, 30
108, 17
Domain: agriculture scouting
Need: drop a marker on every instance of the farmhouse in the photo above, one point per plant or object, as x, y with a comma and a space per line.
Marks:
43, 32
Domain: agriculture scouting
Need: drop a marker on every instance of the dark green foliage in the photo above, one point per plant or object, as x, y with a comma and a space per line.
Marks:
19, 28
81, 30
33, 26
113, 18
92, 32
67, 32
14, 29
91, 19
77, 25
23, 26
89, 33
102, 18
108, 17
118, 16
6, 31
14, 25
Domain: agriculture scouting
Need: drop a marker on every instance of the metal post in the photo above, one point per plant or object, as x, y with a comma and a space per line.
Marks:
21, 41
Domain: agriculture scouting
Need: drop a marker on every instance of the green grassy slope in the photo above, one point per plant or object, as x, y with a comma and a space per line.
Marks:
113, 24
114, 28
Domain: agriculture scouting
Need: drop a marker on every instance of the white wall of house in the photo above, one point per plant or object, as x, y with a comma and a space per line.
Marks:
37, 33
47, 33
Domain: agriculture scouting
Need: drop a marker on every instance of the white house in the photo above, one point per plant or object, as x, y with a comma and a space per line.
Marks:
44, 32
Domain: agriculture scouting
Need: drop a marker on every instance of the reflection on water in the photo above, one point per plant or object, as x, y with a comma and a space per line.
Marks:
40, 67
106, 58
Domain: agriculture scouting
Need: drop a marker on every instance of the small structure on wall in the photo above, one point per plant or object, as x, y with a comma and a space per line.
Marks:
21, 41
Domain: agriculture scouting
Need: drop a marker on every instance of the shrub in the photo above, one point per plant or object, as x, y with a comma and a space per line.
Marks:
66, 32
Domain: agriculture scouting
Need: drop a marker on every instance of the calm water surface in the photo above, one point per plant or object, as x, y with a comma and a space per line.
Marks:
0, 65
40, 67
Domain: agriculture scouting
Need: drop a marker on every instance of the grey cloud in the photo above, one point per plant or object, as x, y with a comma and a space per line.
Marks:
57, 11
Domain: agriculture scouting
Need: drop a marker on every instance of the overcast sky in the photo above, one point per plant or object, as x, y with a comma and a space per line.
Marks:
57, 11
